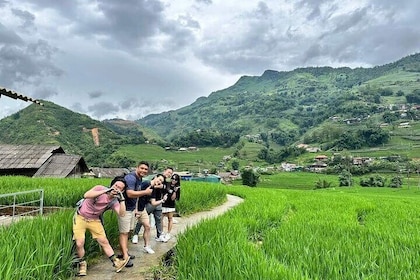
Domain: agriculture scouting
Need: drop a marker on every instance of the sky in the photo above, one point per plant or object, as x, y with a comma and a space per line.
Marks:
131, 58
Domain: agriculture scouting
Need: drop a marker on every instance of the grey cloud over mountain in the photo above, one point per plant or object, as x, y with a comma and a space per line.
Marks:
135, 57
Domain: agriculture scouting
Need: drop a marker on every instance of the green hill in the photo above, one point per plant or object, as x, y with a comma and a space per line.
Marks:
76, 133
285, 106
259, 118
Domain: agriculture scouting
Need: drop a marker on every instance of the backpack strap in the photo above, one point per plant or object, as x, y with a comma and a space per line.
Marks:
109, 206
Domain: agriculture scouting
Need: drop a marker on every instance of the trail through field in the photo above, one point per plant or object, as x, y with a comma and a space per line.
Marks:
143, 262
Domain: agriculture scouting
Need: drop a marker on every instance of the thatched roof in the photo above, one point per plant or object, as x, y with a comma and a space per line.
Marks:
26, 156
40, 161
62, 166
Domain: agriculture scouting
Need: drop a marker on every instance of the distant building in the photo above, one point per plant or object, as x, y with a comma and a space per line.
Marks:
40, 161
100, 172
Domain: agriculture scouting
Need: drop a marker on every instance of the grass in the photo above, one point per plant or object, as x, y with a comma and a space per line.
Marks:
282, 230
204, 158
343, 233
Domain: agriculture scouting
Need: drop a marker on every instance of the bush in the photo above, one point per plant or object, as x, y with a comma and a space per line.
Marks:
322, 184
396, 182
250, 177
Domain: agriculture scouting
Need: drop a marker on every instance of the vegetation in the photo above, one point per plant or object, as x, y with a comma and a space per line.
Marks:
46, 253
279, 231
262, 119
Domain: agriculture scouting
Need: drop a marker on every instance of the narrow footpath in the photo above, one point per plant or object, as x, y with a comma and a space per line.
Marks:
143, 262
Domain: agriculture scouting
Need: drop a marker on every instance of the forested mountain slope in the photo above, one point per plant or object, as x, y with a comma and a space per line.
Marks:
286, 105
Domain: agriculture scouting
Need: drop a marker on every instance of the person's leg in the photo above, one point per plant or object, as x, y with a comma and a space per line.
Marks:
124, 224
135, 237
146, 233
98, 233
79, 231
157, 214
137, 228
170, 216
143, 218
106, 247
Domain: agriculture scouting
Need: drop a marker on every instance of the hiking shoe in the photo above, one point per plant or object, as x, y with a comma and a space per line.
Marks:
82, 269
131, 256
120, 263
148, 250
135, 239
161, 238
129, 263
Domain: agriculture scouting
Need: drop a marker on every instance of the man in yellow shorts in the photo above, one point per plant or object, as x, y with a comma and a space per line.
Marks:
89, 217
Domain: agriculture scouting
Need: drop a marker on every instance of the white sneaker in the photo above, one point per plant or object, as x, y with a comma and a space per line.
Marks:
135, 239
148, 250
161, 238
167, 237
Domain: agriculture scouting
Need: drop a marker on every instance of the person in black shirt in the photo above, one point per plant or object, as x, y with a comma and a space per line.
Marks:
173, 192
142, 215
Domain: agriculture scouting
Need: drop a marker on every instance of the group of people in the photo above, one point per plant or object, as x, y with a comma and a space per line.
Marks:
134, 200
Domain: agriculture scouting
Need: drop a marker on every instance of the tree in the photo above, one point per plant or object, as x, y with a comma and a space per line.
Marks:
249, 177
322, 184
344, 179
396, 182
235, 165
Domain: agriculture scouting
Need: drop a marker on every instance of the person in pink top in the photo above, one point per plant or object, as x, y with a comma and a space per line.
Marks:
89, 217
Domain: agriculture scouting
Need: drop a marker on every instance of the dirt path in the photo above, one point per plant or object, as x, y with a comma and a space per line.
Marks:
143, 261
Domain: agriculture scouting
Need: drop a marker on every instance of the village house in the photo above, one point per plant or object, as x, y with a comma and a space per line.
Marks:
40, 161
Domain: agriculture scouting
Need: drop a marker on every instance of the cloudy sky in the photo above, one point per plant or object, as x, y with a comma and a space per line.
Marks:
130, 58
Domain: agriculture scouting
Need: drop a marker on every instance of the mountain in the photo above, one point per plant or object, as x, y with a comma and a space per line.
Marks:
334, 108
291, 104
76, 133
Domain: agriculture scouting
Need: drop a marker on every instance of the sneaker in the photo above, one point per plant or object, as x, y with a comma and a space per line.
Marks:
120, 263
161, 238
167, 237
148, 250
131, 256
135, 239
82, 269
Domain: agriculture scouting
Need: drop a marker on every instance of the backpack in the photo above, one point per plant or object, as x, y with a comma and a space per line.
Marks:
101, 217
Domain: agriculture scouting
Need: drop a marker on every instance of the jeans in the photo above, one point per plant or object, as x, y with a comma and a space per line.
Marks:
157, 214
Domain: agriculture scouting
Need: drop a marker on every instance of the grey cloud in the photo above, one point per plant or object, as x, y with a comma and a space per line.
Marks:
262, 9
27, 17
208, 2
45, 93
128, 22
65, 8
95, 94
358, 18
101, 109
130, 103
7, 36
77, 107
26, 64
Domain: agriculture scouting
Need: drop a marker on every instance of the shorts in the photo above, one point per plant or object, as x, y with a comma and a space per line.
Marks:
80, 225
127, 222
142, 217
167, 210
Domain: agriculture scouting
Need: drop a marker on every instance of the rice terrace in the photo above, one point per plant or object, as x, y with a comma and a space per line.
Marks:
278, 232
